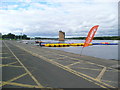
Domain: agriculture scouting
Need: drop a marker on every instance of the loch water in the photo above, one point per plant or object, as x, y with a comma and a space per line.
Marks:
100, 51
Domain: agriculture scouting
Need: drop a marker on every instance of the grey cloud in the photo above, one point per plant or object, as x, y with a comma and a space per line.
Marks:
78, 21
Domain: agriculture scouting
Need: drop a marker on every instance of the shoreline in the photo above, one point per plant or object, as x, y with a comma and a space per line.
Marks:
56, 50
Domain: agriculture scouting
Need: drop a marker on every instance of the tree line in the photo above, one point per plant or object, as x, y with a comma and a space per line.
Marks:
99, 38
15, 37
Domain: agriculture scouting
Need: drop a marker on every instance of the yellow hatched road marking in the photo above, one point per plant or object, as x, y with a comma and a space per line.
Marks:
21, 85
61, 58
79, 60
59, 54
85, 61
0, 83
72, 64
3, 53
3, 65
87, 68
36, 81
101, 73
5, 83
93, 69
59, 65
12, 63
12, 66
94, 64
3, 57
15, 66
86, 77
111, 81
103, 66
22, 54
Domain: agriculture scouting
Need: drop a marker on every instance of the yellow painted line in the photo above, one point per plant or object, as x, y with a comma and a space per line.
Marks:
5, 83
22, 54
76, 73
87, 68
0, 83
14, 66
93, 69
3, 53
3, 57
79, 60
84, 76
82, 60
102, 66
96, 64
10, 66
88, 62
73, 64
111, 81
21, 85
3, 65
61, 55
35, 80
101, 73
61, 58
113, 69
12, 63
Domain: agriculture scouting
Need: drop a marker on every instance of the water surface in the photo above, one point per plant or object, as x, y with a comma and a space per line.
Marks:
99, 51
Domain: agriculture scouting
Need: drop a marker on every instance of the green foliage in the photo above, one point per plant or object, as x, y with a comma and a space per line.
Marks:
16, 37
8, 36
11, 36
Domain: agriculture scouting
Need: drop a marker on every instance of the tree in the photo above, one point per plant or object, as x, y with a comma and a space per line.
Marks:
13, 36
8, 36
24, 36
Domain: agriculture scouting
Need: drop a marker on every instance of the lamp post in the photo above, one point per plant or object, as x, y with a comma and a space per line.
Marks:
21, 34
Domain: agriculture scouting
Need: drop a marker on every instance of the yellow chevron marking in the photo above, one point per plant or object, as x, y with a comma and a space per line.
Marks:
111, 81
87, 68
3, 53
3, 65
86, 77
5, 83
101, 73
21, 85
14, 66
72, 64
35, 80
12, 63
3, 57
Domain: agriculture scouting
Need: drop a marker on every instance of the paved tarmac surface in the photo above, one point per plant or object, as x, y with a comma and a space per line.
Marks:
28, 66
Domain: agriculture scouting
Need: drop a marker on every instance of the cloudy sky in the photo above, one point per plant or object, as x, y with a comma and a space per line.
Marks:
46, 17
